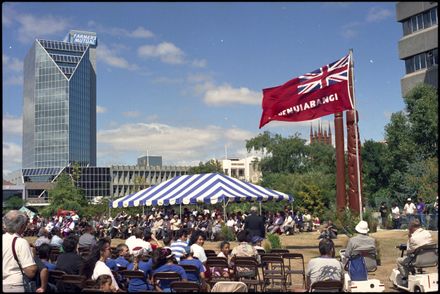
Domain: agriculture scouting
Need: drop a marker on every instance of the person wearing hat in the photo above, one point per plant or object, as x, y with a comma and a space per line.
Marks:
254, 224
256, 242
409, 209
362, 243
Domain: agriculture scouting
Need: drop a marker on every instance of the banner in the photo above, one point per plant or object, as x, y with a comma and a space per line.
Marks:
312, 95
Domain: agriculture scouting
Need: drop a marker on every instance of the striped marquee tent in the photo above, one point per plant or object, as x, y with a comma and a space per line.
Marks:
208, 188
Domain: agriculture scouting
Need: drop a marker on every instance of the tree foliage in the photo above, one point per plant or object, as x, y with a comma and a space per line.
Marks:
211, 166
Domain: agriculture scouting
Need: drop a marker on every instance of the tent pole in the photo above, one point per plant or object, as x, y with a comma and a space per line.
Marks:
143, 209
260, 207
224, 209
180, 210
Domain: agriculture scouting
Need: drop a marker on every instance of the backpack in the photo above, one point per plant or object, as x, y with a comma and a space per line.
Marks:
357, 269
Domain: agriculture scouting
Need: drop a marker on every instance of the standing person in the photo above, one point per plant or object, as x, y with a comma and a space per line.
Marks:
395, 215
417, 237
383, 209
14, 223
254, 224
409, 210
325, 267
421, 209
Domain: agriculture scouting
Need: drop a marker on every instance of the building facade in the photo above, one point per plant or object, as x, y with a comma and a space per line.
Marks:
150, 160
321, 136
418, 46
59, 109
245, 169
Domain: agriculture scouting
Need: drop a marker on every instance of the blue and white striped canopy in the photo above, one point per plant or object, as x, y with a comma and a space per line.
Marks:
208, 188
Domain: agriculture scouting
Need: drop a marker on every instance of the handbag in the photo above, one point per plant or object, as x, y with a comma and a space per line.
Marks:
357, 269
28, 284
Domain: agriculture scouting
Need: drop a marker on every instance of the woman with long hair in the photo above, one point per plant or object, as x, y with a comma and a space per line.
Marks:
142, 263
94, 265
196, 245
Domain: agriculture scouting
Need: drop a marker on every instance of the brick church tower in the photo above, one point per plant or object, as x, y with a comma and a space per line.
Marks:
320, 135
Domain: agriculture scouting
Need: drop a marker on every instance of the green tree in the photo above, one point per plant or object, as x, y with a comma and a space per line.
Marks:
14, 202
211, 166
65, 195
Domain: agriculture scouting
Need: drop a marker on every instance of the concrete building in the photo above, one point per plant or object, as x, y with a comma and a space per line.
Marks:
244, 169
59, 109
149, 160
418, 46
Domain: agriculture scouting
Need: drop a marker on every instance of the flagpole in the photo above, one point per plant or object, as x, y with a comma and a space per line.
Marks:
356, 131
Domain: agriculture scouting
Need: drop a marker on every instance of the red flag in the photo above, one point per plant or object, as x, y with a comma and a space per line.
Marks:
312, 95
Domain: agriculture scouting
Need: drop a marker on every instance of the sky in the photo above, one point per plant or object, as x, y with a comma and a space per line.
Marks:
184, 80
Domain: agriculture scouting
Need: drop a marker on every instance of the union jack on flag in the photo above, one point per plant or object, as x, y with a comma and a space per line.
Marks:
327, 75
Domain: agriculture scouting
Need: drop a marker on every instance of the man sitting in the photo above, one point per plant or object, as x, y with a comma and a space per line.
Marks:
362, 243
325, 267
417, 237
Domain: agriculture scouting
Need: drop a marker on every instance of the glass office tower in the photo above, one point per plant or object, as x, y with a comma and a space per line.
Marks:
59, 110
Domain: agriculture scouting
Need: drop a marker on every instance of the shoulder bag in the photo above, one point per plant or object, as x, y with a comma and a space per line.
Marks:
28, 284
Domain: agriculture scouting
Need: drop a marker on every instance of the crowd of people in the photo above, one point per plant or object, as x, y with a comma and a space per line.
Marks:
394, 217
152, 247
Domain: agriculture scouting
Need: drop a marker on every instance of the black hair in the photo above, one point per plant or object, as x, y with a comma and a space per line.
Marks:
326, 247
138, 233
44, 251
120, 247
160, 257
243, 236
70, 243
181, 233
195, 236
104, 279
95, 254
166, 240
147, 235
223, 244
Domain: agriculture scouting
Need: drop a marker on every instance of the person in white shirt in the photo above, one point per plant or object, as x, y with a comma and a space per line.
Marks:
175, 225
288, 224
14, 223
137, 241
417, 236
196, 245
409, 209
94, 265
395, 215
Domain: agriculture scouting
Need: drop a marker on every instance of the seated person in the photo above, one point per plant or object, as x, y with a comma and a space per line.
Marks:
164, 261
417, 237
256, 242
325, 267
44, 253
142, 263
69, 261
105, 283
362, 243
246, 250
288, 225
123, 258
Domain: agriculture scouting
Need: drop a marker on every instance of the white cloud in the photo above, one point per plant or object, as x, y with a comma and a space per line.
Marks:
100, 109
110, 57
199, 63
225, 94
13, 69
32, 27
377, 14
11, 157
131, 113
12, 124
167, 52
175, 144
350, 30
141, 32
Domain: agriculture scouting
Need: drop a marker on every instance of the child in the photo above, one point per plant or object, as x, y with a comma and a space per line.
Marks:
105, 283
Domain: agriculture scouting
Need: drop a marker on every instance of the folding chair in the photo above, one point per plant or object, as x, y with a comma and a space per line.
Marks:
192, 272
71, 283
55, 276
229, 286
279, 251
91, 290
164, 279
246, 270
216, 262
90, 284
327, 286
182, 286
127, 275
273, 273
290, 268
209, 253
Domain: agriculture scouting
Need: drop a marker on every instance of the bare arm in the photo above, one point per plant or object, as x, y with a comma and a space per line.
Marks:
44, 277
30, 271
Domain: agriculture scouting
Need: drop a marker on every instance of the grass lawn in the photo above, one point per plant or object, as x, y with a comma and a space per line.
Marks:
307, 244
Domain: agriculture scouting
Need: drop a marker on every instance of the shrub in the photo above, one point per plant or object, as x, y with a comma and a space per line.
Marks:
227, 233
274, 241
371, 220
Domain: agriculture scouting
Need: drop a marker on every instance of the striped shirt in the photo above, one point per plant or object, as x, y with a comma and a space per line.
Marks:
179, 248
